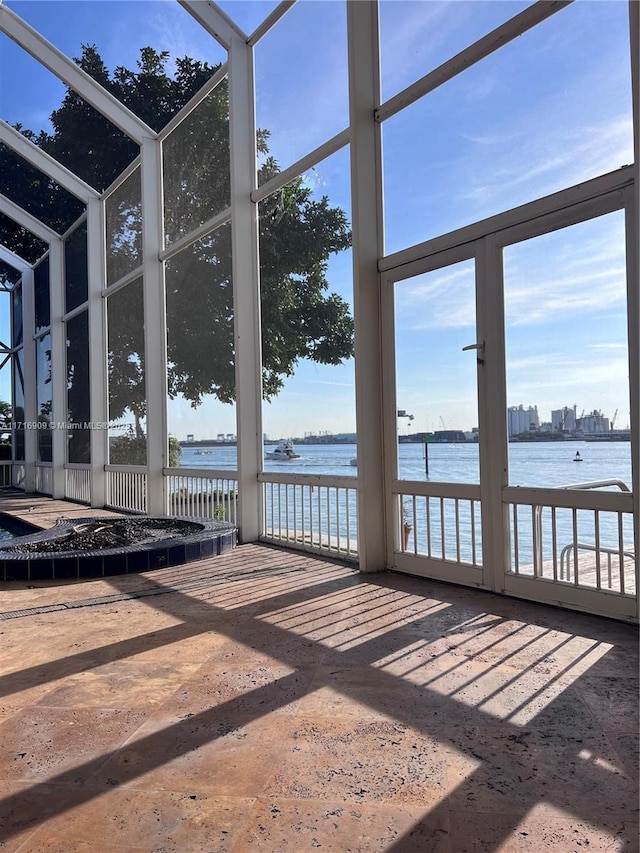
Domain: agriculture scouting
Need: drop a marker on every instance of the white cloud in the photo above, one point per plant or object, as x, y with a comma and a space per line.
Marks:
442, 299
612, 346
559, 159
417, 37
567, 273
536, 302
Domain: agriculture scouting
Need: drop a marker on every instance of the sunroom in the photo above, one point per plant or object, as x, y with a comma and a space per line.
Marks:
402, 235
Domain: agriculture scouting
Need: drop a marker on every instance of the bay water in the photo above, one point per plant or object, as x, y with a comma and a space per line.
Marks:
530, 463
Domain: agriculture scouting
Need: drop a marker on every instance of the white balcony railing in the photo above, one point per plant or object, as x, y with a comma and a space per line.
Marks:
313, 512
77, 483
440, 521
6, 469
44, 478
126, 488
202, 494
574, 535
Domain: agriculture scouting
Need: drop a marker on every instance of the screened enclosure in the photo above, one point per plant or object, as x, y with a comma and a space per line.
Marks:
376, 229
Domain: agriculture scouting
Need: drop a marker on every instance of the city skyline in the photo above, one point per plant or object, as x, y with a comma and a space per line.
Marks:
410, 428
584, 413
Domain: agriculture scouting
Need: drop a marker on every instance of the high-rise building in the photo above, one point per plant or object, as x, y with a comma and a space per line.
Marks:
521, 419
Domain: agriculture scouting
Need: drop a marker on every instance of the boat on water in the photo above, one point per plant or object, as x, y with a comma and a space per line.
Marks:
577, 457
284, 451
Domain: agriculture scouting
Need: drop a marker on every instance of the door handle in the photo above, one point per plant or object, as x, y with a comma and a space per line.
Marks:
479, 347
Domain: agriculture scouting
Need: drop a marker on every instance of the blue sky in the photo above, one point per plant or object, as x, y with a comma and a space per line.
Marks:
546, 111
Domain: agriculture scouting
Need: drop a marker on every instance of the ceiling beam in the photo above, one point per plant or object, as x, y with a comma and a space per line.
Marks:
214, 20
73, 76
270, 21
26, 220
13, 260
42, 161
505, 33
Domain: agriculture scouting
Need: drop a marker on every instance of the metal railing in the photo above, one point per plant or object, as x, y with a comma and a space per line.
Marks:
566, 536
599, 484
6, 470
77, 483
126, 488
440, 521
202, 494
611, 553
313, 512
44, 479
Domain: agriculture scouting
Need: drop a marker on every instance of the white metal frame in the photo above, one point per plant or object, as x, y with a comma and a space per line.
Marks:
367, 225
445, 570
30, 388
13, 260
510, 30
58, 367
246, 287
632, 214
155, 336
42, 161
26, 220
485, 242
98, 408
375, 384
73, 76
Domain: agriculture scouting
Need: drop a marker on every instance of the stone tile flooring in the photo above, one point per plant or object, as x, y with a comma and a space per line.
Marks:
269, 701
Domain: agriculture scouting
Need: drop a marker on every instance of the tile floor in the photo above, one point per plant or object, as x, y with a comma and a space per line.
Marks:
270, 701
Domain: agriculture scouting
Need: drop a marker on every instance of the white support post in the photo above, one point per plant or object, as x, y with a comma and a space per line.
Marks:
492, 407
58, 368
366, 200
246, 288
155, 337
98, 408
30, 382
25, 270
633, 283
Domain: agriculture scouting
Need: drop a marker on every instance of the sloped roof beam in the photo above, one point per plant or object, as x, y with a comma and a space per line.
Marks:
26, 220
270, 21
214, 20
73, 76
13, 260
505, 33
42, 161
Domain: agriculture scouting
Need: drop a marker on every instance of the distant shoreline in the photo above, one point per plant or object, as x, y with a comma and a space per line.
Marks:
407, 439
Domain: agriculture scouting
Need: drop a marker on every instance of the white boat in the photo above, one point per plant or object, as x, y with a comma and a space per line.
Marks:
284, 451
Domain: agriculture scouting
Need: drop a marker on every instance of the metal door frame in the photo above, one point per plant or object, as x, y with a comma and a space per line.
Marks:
484, 242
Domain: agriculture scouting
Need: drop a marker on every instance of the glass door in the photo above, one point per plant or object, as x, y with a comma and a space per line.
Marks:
509, 408
432, 361
569, 494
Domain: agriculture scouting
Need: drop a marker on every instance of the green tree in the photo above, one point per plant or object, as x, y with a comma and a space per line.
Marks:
301, 318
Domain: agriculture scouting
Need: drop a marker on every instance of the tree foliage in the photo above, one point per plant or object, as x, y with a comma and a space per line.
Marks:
301, 319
